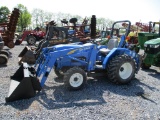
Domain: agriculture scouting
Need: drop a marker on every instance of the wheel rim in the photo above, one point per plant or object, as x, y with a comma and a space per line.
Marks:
31, 40
125, 70
76, 80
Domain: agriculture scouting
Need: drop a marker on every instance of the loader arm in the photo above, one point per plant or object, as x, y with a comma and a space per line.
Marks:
49, 58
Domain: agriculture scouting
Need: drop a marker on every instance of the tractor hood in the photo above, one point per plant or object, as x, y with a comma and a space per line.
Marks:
153, 42
69, 46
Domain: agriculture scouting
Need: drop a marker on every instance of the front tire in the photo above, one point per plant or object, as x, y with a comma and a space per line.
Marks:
121, 69
75, 78
31, 40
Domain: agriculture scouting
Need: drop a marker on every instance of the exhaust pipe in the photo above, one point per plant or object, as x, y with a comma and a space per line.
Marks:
27, 56
24, 84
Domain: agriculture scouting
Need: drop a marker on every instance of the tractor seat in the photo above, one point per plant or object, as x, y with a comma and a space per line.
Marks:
112, 43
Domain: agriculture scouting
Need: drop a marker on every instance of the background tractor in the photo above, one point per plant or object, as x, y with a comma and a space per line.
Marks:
105, 36
150, 43
31, 36
74, 62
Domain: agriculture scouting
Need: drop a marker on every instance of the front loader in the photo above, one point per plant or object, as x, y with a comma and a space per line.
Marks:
73, 63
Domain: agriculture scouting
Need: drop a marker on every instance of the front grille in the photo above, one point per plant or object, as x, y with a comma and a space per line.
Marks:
150, 50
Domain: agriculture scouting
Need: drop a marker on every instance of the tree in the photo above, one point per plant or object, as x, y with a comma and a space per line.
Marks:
25, 17
4, 12
101, 23
35, 16
39, 17
49, 16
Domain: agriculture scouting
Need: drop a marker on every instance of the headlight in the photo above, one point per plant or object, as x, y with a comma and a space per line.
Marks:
154, 46
145, 45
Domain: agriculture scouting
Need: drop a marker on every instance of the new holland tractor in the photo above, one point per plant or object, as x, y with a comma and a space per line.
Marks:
73, 62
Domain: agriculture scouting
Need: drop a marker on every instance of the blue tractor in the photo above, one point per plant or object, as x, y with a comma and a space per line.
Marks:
73, 62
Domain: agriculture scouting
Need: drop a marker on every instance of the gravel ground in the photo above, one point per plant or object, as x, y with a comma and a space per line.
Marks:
98, 100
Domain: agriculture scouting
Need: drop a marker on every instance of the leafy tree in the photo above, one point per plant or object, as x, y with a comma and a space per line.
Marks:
49, 16
4, 11
35, 16
39, 17
101, 23
25, 17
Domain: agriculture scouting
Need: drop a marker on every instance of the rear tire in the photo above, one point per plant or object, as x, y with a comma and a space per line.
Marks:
75, 78
3, 59
31, 40
121, 69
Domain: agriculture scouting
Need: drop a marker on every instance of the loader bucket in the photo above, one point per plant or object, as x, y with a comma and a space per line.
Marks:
27, 56
23, 84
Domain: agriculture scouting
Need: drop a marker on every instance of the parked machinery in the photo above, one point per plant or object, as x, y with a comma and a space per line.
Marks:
133, 35
143, 26
7, 31
83, 31
4, 54
9, 28
31, 36
150, 43
139, 27
106, 35
74, 62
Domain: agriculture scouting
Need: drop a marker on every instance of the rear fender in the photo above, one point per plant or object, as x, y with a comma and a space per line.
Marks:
119, 51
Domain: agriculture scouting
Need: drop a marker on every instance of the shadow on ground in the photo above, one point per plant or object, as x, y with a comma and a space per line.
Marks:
56, 97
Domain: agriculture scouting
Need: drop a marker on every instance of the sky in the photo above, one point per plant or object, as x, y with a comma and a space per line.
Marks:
133, 10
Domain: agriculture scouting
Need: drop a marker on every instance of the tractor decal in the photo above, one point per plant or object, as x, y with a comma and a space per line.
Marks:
72, 51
